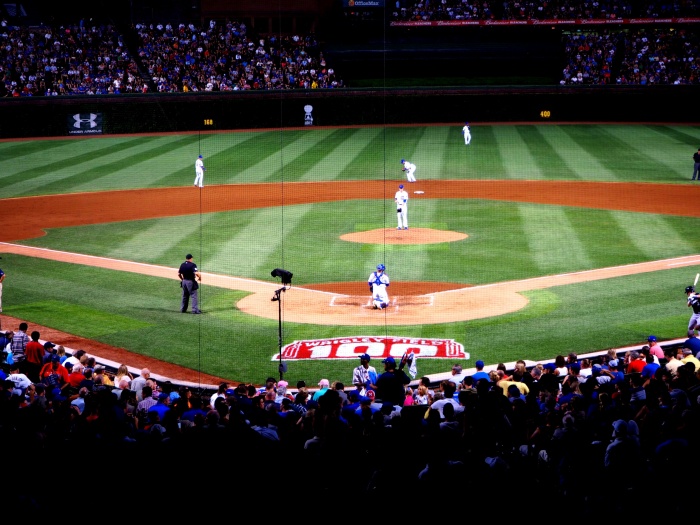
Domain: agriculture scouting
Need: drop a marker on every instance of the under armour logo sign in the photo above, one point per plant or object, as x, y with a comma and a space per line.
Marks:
79, 120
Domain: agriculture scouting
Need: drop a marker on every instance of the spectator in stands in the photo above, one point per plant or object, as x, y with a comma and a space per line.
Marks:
139, 382
123, 373
479, 374
672, 362
655, 348
688, 357
549, 380
636, 363
34, 356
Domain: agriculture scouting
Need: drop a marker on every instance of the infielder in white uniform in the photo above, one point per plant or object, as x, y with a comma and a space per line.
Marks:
378, 281
410, 169
199, 170
467, 134
401, 198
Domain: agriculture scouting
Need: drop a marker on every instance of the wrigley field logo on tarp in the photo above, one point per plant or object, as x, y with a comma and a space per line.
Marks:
377, 347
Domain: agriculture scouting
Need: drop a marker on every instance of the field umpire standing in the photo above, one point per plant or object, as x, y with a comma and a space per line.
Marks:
189, 275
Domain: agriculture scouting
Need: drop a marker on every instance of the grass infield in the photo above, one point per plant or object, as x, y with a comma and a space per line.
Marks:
507, 240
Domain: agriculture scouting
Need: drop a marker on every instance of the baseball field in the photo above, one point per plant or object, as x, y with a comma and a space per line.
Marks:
533, 241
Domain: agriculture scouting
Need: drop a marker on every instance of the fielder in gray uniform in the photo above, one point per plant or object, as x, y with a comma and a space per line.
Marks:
694, 303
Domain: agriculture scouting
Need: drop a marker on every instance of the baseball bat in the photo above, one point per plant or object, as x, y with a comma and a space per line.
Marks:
697, 275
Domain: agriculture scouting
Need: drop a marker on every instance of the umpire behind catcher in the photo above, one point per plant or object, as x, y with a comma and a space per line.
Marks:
189, 275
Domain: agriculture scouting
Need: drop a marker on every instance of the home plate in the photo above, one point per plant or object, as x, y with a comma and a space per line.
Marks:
418, 192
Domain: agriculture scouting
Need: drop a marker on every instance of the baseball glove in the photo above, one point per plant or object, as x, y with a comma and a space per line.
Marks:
398, 210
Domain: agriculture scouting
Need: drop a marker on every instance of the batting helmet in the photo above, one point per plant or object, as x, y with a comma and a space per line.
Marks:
381, 267
200, 156
403, 160
689, 289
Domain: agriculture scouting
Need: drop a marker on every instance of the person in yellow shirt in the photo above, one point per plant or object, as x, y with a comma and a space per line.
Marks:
688, 357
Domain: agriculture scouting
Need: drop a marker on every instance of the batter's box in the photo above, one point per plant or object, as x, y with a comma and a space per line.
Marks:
366, 302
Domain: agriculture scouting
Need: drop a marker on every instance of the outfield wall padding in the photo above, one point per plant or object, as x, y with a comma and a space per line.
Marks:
146, 113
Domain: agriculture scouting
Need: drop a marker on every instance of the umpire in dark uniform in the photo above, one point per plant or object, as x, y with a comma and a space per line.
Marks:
189, 275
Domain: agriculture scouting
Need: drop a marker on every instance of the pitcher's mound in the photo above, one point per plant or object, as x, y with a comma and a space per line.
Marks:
410, 236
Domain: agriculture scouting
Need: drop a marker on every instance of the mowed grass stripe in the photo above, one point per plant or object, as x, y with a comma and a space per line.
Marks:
430, 152
548, 162
264, 161
317, 147
333, 162
517, 159
155, 238
54, 170
687, 137
573, 147
659, 157
551, 238
652, 235
260, 240
626, 158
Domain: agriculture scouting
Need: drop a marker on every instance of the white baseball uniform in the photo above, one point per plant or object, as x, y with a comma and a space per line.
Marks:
378, 281
199, 170
467, 134
401, 198
410, 170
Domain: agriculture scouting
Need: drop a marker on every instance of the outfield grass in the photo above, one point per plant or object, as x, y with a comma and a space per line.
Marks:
506, 240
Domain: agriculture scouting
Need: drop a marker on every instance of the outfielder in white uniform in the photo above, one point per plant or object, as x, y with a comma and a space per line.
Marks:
401, 198
467, 134
199, 170
378, 282
410, 169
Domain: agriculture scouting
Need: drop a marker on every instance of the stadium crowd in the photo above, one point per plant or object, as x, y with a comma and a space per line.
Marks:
584, 433
428, 10
661, 56
98, 59
84, 59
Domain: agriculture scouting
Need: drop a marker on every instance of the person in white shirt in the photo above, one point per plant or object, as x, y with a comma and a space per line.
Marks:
467, 134
410, 170
401, 199
199, 170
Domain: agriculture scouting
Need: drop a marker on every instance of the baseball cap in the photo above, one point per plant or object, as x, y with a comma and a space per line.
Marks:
550, 366
49, 344
188, 256
324, 382
651, 338
200, 156
163, 396
365, 357
613, 363
401, 186
55, 358
389, 360
403, 160
479, 364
